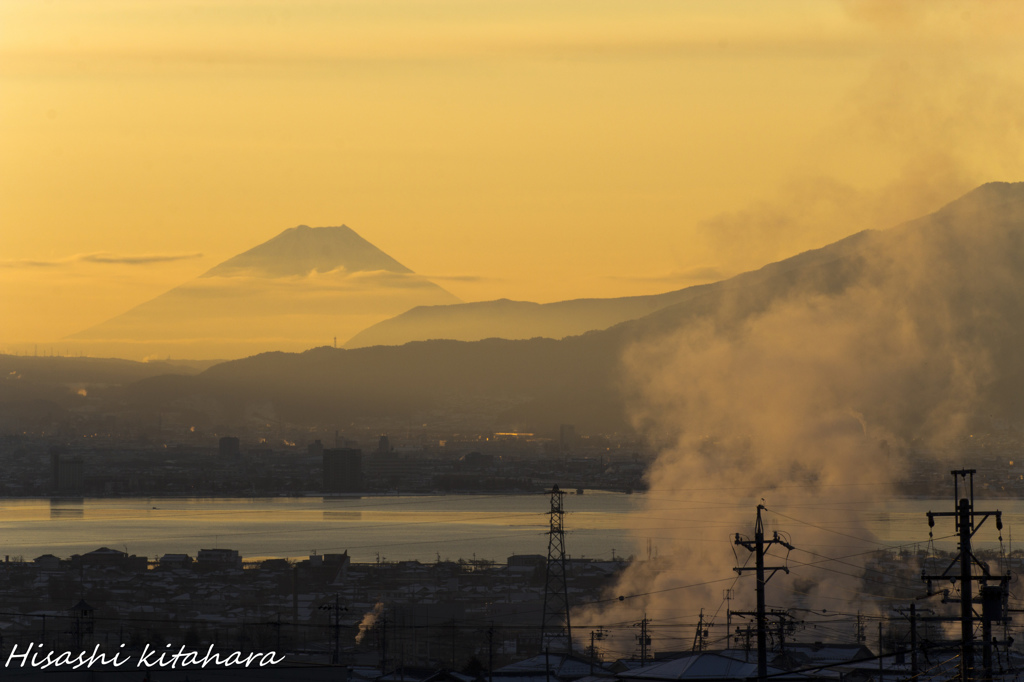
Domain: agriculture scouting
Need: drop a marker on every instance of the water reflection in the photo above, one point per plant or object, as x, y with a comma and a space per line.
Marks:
343, 516
67, 508
412, 527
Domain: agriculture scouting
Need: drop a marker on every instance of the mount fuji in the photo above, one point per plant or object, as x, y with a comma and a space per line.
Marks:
301, 289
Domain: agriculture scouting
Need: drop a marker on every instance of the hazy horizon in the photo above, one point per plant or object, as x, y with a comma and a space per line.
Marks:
319, 286
530, 151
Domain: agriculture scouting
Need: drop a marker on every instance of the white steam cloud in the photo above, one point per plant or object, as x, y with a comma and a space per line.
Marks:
813, 403
368, 621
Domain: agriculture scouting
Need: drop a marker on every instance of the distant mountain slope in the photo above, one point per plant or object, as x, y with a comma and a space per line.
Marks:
301, 289
462, 384
986, 223
507, 319
41, 390
931, 311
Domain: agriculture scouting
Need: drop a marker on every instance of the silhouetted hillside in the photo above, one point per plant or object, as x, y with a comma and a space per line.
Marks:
44, 388
952, 280
489, 381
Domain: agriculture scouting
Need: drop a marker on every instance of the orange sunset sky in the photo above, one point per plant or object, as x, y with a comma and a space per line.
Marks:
536, 150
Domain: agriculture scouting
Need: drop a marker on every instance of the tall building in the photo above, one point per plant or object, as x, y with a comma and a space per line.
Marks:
218, 558
566, 438
230, 446
343, 470
67, 472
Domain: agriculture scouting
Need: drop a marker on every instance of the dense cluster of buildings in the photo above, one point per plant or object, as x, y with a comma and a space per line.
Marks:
230, 465
314, 609
301, 463
330, 618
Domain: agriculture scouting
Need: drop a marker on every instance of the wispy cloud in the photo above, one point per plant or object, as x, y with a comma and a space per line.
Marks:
462, 278
101, 258
699, 273
141, 259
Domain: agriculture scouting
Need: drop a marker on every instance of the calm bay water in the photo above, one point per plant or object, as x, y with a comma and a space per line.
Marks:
395, 527
407, 527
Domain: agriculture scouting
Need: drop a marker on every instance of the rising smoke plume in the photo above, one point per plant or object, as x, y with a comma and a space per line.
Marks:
368, 621
815, 402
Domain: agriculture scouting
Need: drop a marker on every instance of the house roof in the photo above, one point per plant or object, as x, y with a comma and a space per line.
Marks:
106, 551
700, 666
829, 653
562, 665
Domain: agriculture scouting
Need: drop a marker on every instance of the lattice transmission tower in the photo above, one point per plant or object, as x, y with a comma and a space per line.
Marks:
556, 629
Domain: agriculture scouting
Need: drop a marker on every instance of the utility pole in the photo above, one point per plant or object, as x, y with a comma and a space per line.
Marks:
556, 589
746, 641
644, 638
912, 616
701, 635
786, 624
995, 608
880, 667
992, 608
384, 643
337, 608
337, 629
727, 596
595, 635
913, 641
490, 653
759, 546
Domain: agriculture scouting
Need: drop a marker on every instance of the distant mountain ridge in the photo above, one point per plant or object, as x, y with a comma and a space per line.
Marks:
507, 319
950, 284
